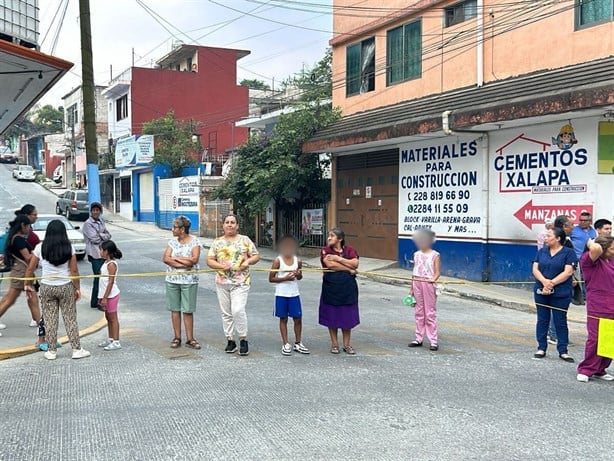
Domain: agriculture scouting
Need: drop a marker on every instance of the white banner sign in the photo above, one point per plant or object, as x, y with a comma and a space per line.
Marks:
540, 172
186, 194
134, 150
440, 188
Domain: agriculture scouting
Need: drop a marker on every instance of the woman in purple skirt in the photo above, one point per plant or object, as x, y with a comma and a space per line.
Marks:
339, 298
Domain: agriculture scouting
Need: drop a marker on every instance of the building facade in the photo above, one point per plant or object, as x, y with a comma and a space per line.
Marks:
197, 83
477, 119
74, 133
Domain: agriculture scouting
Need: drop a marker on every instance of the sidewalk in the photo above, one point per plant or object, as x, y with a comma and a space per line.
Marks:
511, 296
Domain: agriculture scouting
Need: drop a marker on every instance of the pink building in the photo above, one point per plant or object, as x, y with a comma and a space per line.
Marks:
477, 119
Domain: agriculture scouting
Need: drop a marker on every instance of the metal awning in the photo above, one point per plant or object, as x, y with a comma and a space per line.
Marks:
25, 76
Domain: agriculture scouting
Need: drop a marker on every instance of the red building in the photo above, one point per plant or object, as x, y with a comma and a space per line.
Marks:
196, 82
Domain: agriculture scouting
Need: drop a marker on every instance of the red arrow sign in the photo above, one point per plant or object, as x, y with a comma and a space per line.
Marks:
529, 214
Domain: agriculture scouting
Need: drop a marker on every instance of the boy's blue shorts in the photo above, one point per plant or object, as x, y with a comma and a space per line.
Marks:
288, 307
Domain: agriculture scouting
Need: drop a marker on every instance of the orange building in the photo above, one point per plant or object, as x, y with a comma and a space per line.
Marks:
478, 119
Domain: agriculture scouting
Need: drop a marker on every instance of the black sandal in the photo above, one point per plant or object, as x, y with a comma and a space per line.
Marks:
567, 358
539, 355
414, 344
175, 343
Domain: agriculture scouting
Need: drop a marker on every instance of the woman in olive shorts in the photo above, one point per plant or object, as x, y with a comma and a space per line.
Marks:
182, 255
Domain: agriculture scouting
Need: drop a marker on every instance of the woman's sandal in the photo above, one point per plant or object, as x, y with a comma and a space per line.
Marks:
349, 350
539, 355
175, 343
193, 344
567, 358
334, 350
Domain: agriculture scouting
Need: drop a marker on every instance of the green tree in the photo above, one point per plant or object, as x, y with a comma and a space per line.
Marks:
40, 120
254, 84
22, 126
174, 144
48, 119
275, 167
316, 82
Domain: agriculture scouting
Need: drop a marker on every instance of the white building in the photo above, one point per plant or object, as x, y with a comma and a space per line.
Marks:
74, 131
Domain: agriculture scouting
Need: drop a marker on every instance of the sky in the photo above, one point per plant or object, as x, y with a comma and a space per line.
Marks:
118, 26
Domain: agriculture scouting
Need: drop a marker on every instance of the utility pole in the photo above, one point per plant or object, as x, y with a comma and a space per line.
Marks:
89, 102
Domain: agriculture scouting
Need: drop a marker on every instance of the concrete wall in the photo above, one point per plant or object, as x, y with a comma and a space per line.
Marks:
540, 36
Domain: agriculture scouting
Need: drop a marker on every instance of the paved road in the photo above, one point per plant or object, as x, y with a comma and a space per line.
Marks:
480, 397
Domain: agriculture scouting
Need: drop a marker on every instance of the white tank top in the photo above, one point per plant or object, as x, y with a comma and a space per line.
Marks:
104, 280
288, 289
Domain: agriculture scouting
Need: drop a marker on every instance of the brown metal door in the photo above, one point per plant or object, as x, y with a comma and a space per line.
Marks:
367, 202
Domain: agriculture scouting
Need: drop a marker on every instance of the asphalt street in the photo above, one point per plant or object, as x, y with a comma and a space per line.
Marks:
481, 396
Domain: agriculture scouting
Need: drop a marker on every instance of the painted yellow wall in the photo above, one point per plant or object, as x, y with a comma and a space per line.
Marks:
547, 39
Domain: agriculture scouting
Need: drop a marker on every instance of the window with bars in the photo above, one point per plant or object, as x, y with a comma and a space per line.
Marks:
404, 52
593, 12
360, 67
121, 108
125, 191
460, 12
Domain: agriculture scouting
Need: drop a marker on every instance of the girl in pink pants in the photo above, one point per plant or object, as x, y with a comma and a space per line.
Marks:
427, 269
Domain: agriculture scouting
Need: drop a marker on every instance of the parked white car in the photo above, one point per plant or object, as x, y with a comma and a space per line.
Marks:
24, 173
74, 234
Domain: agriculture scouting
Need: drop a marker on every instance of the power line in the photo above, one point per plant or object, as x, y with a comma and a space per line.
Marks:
58, 30
57, 11
509, 22
535, 19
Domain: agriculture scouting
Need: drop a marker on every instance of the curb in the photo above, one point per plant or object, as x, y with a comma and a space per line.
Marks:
25, 350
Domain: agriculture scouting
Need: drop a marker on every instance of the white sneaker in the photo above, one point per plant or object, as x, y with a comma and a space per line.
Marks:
582, 378
80, 353
50, 355
300, 348
2, 326
106, 342
113, 346
33, 323
606, 377
286, 349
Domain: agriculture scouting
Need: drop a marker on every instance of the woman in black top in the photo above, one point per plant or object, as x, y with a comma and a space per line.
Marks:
17, 254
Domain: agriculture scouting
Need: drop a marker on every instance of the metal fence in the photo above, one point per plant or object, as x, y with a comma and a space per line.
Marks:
213, 211
307, 224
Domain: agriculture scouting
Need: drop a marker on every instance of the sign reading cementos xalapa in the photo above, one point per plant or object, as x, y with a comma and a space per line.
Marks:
500, 190
540, 172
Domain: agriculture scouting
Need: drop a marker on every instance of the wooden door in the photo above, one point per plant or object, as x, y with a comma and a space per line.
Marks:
367, 202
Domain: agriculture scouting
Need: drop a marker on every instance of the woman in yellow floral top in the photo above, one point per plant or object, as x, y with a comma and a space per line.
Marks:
231, 255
